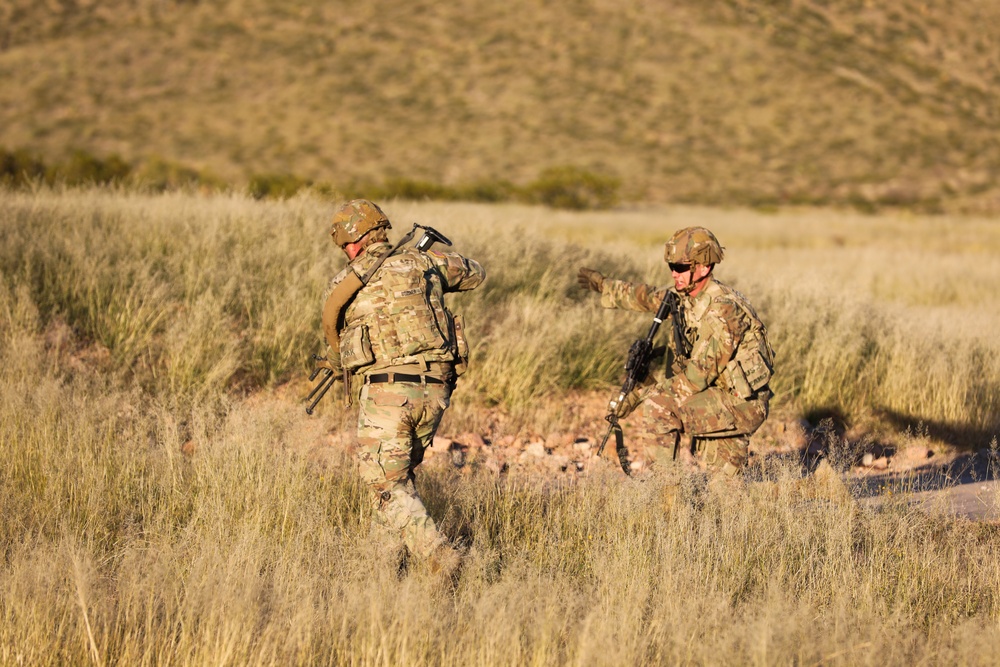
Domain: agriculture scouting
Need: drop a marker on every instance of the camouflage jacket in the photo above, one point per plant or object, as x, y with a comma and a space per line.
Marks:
400, 317
729, 346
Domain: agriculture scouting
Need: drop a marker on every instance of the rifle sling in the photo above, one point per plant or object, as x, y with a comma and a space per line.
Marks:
345, 291
621, 450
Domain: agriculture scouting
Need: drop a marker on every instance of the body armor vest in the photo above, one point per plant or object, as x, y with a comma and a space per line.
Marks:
399, 317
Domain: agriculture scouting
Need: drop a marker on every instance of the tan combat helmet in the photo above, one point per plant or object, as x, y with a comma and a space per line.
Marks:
355, 219
693, 245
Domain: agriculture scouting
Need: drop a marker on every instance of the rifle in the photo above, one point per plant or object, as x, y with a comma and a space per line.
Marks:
338, 301
637, 368
324, 384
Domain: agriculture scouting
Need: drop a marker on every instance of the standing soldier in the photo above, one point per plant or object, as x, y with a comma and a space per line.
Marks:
716, 397
387, 324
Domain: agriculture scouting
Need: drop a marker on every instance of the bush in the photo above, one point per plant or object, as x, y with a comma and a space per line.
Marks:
84, 168
161, 175
20, 167
406, 188
574, 188
277, 186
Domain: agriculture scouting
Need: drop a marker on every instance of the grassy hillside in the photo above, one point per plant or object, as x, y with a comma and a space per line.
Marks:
768, 102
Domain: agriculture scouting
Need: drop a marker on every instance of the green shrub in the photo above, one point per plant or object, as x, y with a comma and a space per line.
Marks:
83, 168
160, 175
488, 192
406, 188
276, 185
573, 188
20, 167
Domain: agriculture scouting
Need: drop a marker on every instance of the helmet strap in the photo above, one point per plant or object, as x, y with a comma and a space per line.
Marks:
692, 284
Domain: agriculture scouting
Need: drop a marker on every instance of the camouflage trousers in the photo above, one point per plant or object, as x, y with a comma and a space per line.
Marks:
396, 423
716, 424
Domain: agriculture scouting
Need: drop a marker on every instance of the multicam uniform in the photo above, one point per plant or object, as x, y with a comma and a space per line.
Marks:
720, 395
406, 348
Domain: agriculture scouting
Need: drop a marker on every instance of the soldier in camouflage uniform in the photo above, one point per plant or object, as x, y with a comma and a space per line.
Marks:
405, 349
716, 399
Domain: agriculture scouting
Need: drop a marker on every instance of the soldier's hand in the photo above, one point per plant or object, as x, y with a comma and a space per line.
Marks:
635, 398
324, 362
590, 279
628, 406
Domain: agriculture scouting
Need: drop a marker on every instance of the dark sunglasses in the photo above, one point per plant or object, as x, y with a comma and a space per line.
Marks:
679, 268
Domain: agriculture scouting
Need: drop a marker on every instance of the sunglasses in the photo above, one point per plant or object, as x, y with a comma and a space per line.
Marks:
679, 268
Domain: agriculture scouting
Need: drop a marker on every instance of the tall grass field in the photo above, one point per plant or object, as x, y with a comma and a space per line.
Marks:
165, 500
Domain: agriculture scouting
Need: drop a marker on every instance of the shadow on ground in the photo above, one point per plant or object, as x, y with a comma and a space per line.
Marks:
962, 437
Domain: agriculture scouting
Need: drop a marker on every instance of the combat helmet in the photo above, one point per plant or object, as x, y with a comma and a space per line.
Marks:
693, 245
355, 219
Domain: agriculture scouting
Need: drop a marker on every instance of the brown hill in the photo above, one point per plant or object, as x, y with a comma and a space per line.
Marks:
764, 102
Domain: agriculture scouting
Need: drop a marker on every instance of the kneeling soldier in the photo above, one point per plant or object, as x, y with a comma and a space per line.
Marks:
715, 398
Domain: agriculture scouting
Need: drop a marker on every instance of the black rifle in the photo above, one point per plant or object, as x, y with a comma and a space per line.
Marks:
637, 368
429, 238
324, 384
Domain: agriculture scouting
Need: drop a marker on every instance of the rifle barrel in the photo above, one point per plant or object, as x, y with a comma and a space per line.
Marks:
324, 386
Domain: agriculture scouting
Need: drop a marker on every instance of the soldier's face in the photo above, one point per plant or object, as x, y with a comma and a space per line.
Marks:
352, 250
689, 277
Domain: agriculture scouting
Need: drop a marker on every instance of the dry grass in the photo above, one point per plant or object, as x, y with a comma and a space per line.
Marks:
131, 325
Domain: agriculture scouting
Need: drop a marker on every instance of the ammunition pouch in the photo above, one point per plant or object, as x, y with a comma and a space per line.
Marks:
356, 347
745, 376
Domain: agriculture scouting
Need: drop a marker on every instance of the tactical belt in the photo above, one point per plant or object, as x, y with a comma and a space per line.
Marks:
376, 378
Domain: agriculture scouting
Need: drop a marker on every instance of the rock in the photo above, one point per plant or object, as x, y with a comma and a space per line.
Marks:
495, 465
458, 454
558, 441
472, 440
795, 435
536, 449
559, 462
440, 444
912, 456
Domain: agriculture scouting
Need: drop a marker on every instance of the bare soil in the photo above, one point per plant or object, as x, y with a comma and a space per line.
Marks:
875, 469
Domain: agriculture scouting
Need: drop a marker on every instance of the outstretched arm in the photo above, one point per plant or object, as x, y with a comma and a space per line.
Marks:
631, 296
621, 294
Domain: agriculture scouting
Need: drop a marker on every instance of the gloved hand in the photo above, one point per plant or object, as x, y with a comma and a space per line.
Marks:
635, 398
631, 402
590, 279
